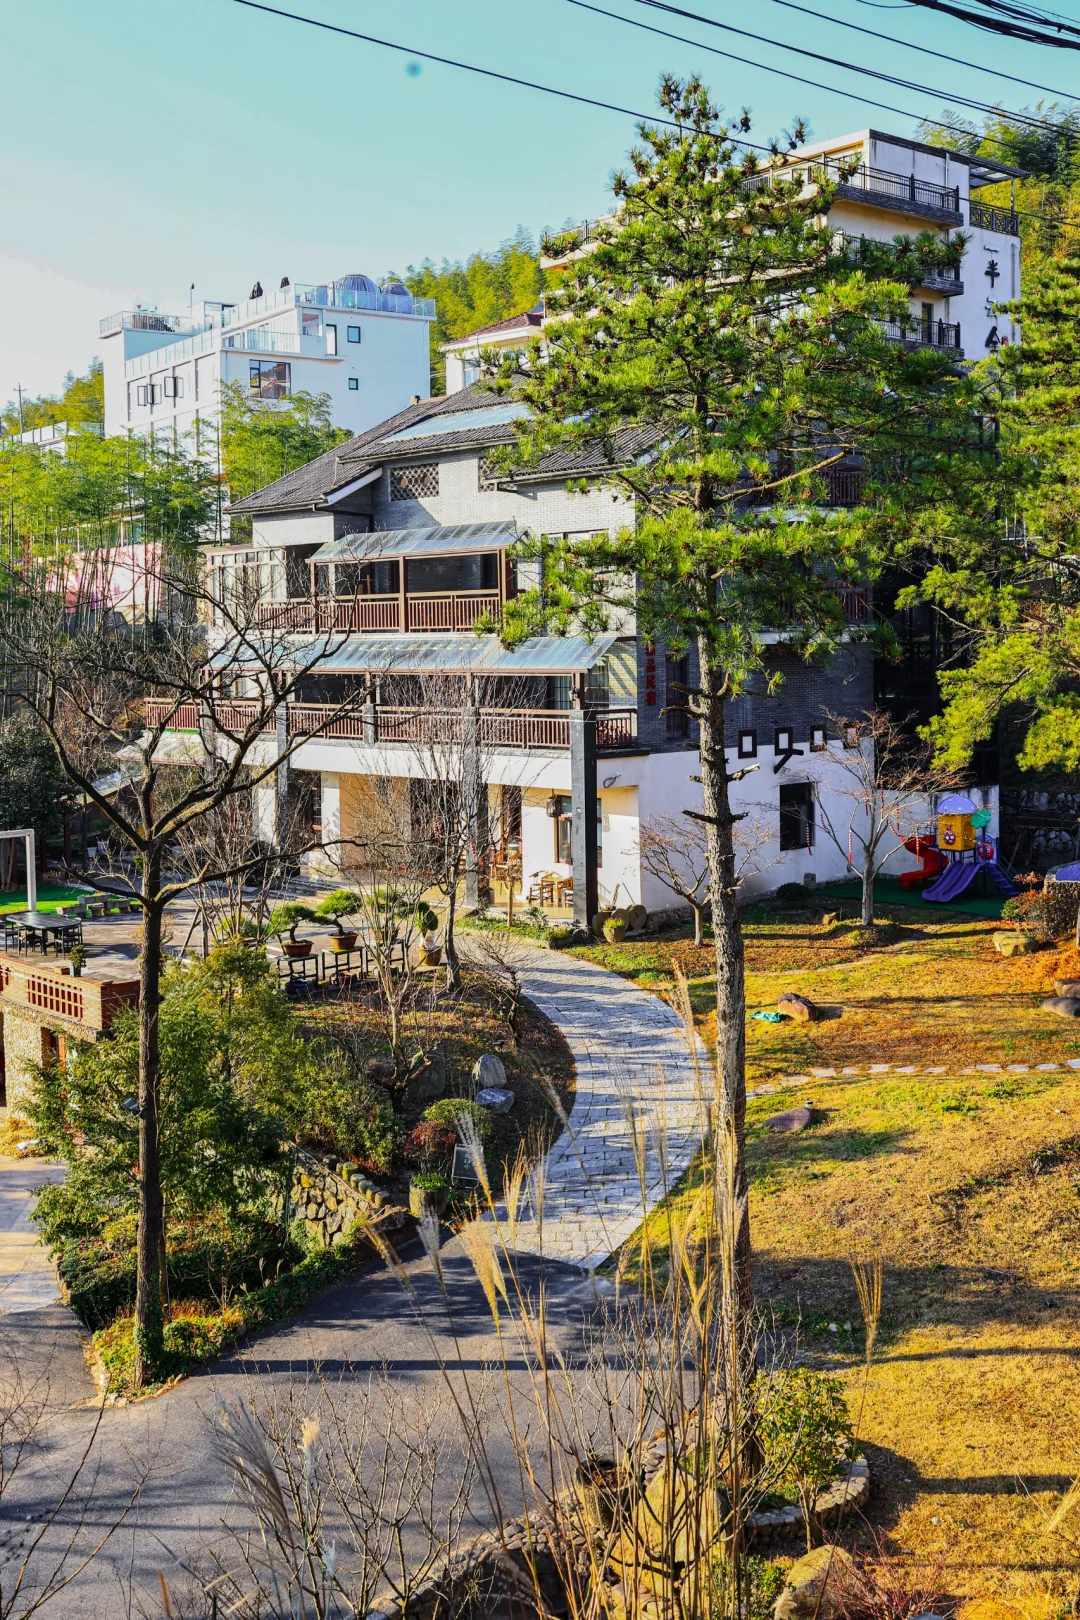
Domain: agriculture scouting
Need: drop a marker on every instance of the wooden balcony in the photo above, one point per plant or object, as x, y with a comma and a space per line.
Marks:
515, 729
232, 714
421, 610
53, 992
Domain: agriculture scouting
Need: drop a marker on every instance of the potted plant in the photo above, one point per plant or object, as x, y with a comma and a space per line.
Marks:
427, 921
428, 1189
282, 925
342, 903
78, 960
615, 927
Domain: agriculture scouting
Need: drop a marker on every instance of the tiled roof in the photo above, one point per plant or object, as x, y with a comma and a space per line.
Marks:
512, 323
311, 485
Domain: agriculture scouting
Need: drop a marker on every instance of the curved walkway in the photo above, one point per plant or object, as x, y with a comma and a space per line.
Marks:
637, 1118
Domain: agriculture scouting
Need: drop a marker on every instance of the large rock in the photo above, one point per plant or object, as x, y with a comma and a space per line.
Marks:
793, 1119
488, 1071
427, 1079
1067, 987
798, 1007
1007, 942
1066, 1006
823, 1583
497, 1098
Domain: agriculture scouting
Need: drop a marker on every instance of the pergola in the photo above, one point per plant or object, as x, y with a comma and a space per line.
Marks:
31, 863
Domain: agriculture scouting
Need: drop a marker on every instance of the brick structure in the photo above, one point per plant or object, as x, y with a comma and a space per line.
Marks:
43, 1008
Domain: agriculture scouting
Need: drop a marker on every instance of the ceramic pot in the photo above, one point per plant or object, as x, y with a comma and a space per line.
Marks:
343, 942
296, 947
433, 1198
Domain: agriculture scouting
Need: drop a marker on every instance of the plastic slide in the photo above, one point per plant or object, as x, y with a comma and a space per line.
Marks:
958, 876
932, 861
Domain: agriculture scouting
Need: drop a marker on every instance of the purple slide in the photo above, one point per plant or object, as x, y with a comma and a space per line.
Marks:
959, 875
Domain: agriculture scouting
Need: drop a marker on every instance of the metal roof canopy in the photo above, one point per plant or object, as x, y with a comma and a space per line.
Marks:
463, 655
439, 540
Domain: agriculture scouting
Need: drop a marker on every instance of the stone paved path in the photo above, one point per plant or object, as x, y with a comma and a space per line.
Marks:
632, 1064
27, 1279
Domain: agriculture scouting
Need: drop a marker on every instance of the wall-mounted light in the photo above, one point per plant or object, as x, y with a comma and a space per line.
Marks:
609, 781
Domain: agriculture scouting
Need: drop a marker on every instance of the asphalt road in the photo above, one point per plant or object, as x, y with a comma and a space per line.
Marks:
357, 1331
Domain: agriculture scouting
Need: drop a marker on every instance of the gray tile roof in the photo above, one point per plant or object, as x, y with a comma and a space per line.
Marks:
309, 486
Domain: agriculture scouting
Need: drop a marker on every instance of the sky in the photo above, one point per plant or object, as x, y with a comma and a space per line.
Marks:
150, 145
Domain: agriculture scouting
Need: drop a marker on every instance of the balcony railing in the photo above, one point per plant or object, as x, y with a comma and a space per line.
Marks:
875, 185
375, 724
424, 611
926, 335
149, 320
232, 714
845, 485
986, 218
449, 610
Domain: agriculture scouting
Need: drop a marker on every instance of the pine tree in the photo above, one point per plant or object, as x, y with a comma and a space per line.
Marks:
715, 353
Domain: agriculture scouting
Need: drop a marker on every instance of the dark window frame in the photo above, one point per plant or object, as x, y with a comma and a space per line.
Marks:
747, 745
798, 822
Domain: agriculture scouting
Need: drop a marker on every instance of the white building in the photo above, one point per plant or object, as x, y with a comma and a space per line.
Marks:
364, 345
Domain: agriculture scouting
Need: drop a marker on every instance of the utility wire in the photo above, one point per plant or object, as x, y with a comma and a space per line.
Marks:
924, 50
851, 67
784, 73
1019, 28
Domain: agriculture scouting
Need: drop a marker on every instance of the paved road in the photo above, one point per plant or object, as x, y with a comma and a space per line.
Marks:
627, 1046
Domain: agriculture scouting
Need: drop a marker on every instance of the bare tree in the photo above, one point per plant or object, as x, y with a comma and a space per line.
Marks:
675, 851
389, 861
193, 699
883, 778
460, 721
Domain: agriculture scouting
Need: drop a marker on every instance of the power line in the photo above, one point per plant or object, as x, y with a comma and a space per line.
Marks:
850, 67
784, 73
1019, 28
924, 50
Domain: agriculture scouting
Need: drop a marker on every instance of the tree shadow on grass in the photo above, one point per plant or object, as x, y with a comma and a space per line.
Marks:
768, 1150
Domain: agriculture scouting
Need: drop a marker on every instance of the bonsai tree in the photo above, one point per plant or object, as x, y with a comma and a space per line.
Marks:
342, 903
285, 919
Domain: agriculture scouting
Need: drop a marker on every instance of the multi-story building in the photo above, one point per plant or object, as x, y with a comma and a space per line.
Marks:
888, 186
398, 542
366, 346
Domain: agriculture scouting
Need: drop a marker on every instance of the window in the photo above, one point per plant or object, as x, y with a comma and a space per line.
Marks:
331, 338
564, 830
558, 691
785, 740
174, 387
678, 701
414, 483
747, 744
353, 334
819, 739
487, 474
470, 373
129, 401
142, 395
797, 816
354, 384
270, 379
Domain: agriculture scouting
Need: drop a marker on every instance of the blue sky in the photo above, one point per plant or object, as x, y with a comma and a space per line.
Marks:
148, 145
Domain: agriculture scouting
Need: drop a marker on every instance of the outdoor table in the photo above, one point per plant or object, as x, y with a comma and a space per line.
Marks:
32, 924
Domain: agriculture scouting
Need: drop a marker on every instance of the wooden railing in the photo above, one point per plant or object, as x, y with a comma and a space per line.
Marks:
174, 716
450, 610
228, 714
54, 993
499, 728
345, 613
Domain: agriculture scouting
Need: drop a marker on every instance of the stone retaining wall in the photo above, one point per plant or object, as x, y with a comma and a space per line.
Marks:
329, 1202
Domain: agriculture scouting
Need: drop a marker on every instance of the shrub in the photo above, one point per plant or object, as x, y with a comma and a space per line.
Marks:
805, 1431
430, 1144
448, 1112
793, 894
429, 1180
350, 1116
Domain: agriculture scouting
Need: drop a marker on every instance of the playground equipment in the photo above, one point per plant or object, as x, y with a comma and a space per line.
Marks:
924, 846
968, 853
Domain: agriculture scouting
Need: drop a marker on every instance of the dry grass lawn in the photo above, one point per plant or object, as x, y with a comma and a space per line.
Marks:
968, 1186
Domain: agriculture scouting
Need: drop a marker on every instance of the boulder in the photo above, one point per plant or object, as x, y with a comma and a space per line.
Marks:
798, 1007
1009, 942
1065, 1006
488, 1071
823, 1583
381, 1070
1067, 987
497, 1098
427, 1080
793, 1119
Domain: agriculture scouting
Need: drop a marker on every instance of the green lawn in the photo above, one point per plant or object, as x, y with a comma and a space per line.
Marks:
49, 897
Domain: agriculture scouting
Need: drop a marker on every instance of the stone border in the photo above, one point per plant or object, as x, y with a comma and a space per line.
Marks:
770, 1087
849, 1493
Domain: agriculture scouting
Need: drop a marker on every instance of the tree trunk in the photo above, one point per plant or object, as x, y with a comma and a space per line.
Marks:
453, 964
149, 1326
868, 892
699, 924
730, 973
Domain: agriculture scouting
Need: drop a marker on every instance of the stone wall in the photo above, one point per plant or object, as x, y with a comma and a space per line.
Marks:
329, 1202
23, 1053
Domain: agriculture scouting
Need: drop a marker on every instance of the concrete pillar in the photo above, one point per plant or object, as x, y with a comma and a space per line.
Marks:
281, 743
474, 808
331, 819
583, 798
